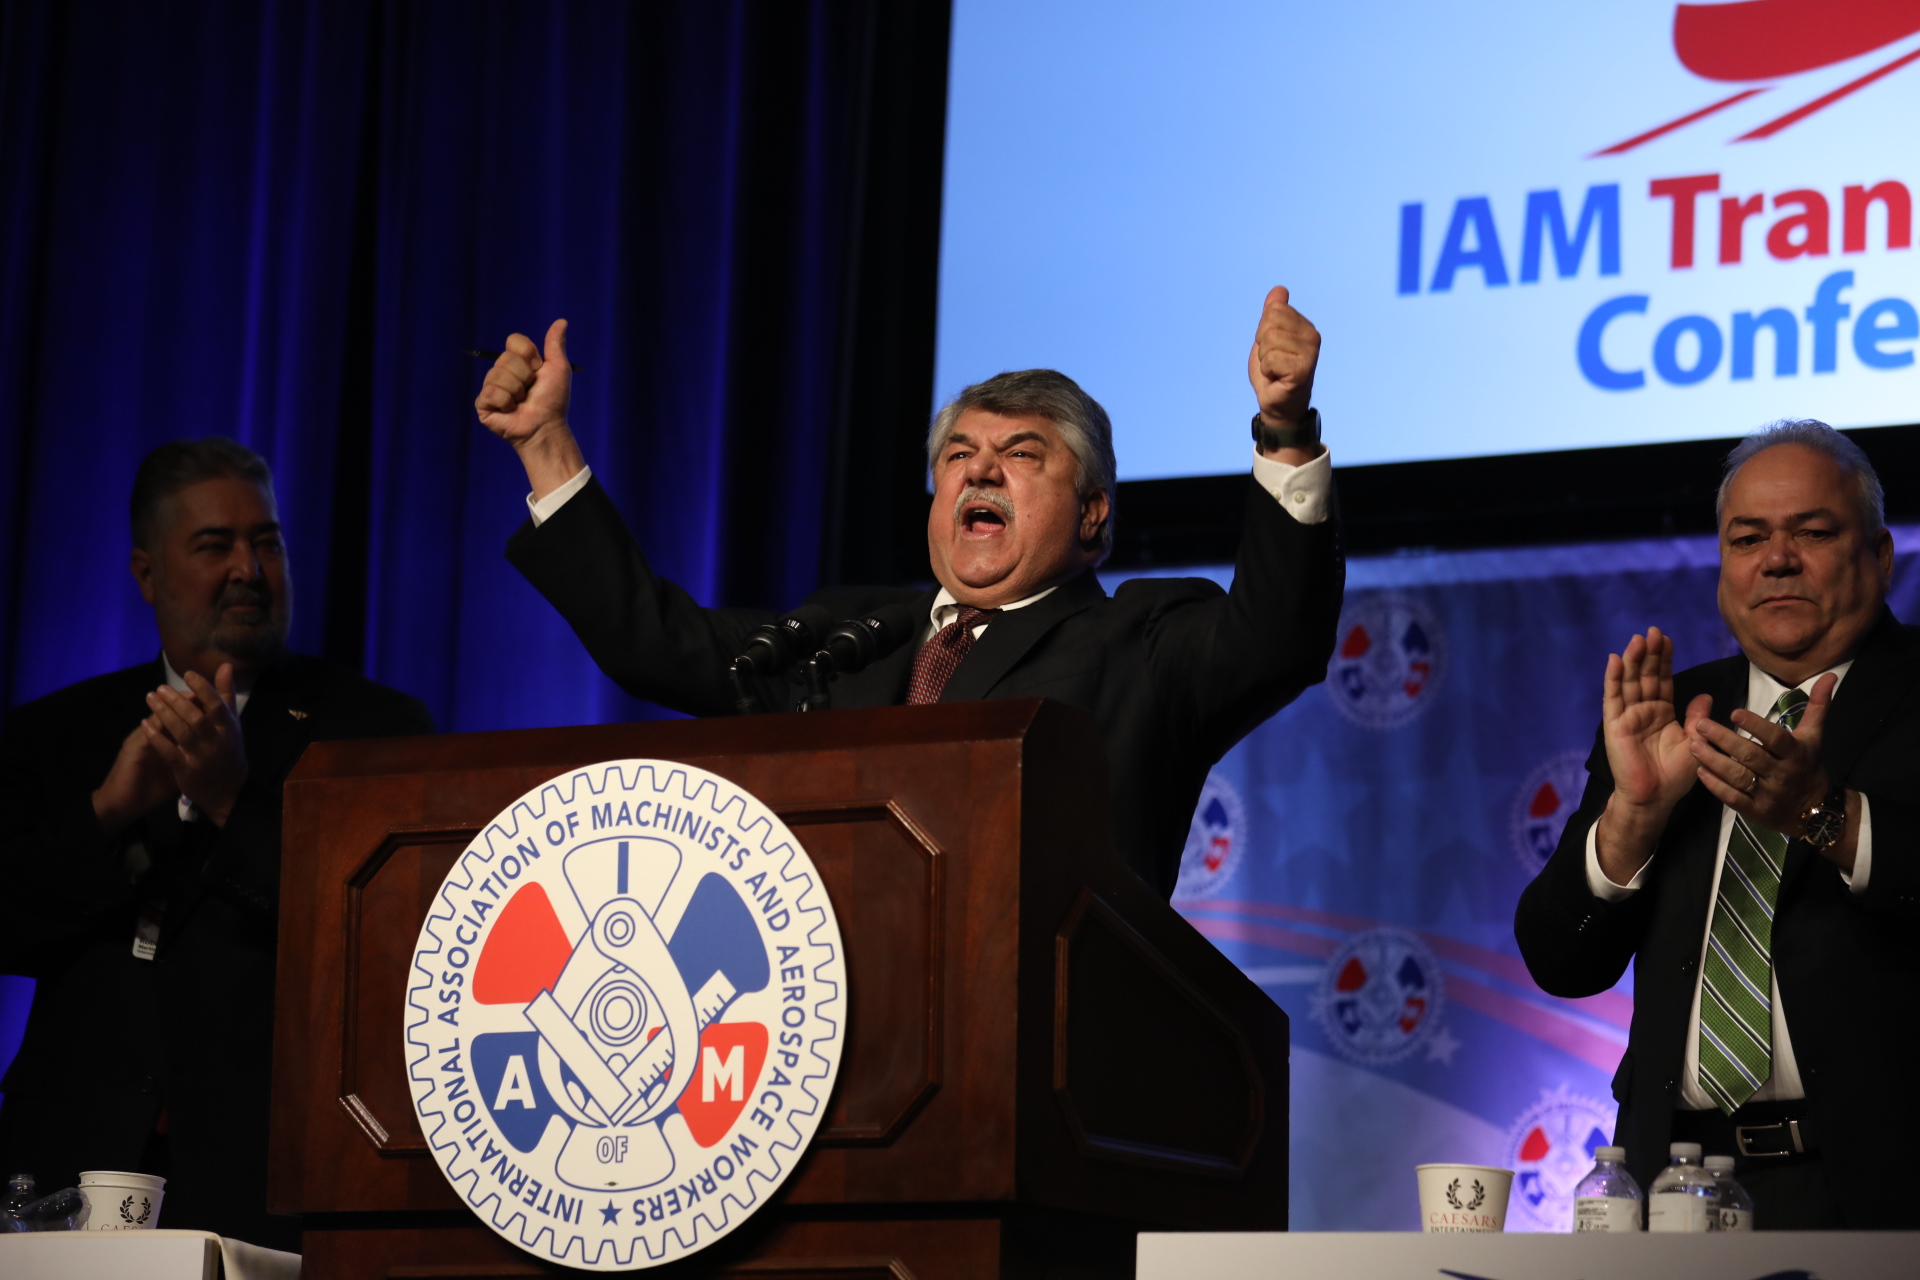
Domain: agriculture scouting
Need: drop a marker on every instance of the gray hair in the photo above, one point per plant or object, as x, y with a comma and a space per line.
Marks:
1044, 393
180, 463
1869, 499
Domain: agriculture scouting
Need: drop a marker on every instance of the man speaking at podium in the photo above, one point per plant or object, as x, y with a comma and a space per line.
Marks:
1174, 670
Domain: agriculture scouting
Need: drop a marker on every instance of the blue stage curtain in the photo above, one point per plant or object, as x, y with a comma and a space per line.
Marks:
287, 222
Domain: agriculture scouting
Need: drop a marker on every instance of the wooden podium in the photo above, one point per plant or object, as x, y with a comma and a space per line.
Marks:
1042, 1057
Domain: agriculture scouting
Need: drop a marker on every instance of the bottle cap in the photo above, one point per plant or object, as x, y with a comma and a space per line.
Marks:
1720, 1164
1684, 1151
1613, 1155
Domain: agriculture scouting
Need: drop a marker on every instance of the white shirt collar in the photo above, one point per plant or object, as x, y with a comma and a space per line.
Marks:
1763, 691
946, 608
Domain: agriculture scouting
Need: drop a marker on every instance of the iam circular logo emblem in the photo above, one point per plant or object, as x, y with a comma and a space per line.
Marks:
1381, 996
1550, 1148
1216, 842
1388, 662
627, 1012
1542, 806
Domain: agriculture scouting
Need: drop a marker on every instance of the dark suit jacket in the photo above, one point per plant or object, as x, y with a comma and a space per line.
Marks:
112, 1040
1848, 964
1174, 670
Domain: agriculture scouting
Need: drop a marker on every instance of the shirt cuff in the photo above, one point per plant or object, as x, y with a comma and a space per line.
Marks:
1597, 883
542, 511
1863, 851
1301, 491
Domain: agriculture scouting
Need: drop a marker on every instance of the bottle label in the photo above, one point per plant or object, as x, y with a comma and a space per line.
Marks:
1678, 1211
1606, 1213
1736, 1219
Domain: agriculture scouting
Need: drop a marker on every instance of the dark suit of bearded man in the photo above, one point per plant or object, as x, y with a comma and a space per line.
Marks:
142, 862
1174, 671
1647, 870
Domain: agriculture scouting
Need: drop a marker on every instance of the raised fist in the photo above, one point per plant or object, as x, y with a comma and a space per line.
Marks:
1286, 347
526, 392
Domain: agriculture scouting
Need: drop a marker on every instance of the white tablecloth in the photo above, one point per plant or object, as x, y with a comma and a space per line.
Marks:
149, 1255
1344, 1255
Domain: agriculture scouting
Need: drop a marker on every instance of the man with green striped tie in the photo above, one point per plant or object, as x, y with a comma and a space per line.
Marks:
1748, 839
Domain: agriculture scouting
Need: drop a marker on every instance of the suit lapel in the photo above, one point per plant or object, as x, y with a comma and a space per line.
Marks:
280, 715
1012, 634
1876, 683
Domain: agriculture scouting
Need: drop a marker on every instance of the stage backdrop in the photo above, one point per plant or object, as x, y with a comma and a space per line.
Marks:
1361, 854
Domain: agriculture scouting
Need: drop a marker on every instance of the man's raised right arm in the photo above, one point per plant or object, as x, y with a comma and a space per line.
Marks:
647, 634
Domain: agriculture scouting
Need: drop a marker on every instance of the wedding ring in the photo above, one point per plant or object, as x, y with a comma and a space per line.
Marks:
1753, 784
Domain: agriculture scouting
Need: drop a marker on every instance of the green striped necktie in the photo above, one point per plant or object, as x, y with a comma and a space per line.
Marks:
1736, 990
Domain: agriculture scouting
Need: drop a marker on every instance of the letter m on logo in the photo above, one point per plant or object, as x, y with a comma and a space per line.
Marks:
728, 1075
1545, 216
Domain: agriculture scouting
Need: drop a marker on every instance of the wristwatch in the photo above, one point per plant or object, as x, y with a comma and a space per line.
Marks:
1825, 820
1304, 436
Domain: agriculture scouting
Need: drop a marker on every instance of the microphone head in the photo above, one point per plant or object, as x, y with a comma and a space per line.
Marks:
805, 626
772, 647
859, 642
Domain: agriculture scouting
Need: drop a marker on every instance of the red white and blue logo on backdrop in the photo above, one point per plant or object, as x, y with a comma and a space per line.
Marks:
1216, 842
1550, 1149
1543, 804
1388, 661
627, 1013
1381, 997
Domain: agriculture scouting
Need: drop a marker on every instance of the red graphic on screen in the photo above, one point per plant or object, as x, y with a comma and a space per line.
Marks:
1546, 802
1773, 39
1536, 1146
525, 953
1356, 644
1766, 39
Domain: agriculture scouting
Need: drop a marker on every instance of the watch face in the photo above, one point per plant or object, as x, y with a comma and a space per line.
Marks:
1825, 826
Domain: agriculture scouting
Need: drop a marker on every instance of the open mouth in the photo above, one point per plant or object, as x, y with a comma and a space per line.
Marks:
982, 514
978, 520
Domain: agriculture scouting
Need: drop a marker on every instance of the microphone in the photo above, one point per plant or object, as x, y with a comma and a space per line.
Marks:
772, 648
857, 643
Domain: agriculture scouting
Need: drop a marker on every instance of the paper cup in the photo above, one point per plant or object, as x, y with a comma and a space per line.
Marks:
1463, 1197
122, 1201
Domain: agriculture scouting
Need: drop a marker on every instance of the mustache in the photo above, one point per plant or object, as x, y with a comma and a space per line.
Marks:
245, 595
989, 497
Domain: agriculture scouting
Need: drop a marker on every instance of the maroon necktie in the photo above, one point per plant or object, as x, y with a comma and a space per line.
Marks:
941, 656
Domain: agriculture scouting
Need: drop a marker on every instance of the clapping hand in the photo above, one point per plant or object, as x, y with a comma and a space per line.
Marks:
1650, 751
138, 781
197, 737
1771, 777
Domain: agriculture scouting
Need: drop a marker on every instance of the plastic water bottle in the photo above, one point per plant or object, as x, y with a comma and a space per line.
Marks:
19, 1196
1608, 1199
1685, 1197
1736, 1206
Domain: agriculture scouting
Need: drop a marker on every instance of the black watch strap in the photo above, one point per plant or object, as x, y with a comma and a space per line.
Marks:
1304, 436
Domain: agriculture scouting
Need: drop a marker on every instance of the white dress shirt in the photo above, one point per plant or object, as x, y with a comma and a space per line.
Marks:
1763, 692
